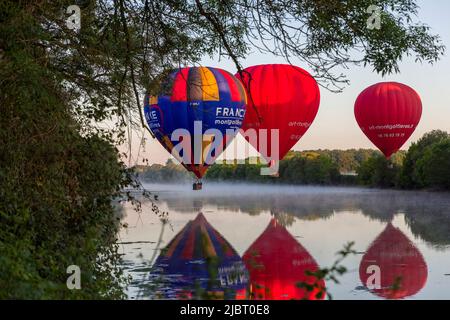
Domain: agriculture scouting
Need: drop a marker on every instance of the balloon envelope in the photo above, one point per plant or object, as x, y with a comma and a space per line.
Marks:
211, 97
388, 113
277, 263
282, 97
402, 268
200, 257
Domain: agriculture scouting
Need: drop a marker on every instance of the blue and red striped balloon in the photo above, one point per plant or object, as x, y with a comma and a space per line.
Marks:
210, 95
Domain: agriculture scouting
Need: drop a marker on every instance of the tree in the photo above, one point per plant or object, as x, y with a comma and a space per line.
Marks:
411, 175
434, 165
321, 170
294, 170
377, 171
320, 33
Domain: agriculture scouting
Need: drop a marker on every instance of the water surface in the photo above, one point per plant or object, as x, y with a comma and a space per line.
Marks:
405, 234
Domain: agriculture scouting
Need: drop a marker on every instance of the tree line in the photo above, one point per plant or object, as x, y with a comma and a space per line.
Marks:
426, 164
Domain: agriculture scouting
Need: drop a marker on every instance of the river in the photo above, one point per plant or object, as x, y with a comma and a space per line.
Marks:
401, 239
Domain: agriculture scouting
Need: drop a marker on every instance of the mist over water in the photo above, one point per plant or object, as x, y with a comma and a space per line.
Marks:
321, 219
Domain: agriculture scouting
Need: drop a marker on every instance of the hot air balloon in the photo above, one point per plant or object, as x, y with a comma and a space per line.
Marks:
388, 113
196, 114
198, 262
283, 97
277, 264
392, 267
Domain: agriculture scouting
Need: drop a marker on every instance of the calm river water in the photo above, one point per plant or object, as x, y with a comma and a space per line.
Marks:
261, 239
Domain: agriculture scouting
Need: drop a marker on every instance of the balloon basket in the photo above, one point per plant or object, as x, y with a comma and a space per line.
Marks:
197, 185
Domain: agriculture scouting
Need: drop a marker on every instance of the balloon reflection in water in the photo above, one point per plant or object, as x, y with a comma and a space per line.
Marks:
277, 264
199, 263
393, 267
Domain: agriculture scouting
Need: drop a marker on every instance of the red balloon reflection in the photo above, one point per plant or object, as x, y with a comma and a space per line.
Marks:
277, 264
393, 267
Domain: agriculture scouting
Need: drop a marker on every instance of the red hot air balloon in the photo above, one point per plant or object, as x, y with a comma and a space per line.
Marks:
277, 264
282, 97
388, 113
392, 267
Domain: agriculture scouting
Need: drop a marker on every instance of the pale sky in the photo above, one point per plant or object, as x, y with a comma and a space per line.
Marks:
335, 126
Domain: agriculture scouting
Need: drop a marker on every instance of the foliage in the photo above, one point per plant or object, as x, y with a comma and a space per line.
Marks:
170, 172
309, 168
57, 178
324, 167
326, 275
302, 168
347, 160
421, 164
377, 171
56, 210
434, 165
425, 165
323, 34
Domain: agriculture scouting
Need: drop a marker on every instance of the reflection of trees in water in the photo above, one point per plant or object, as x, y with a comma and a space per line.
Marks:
431, 226
384, 205
305, 207
426, 213
282, 218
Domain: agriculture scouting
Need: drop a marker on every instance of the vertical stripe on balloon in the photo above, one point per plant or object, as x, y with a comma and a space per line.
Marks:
174, 244
232, 85
152, 100
194, 85
210, 90
206, 243
179, 92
